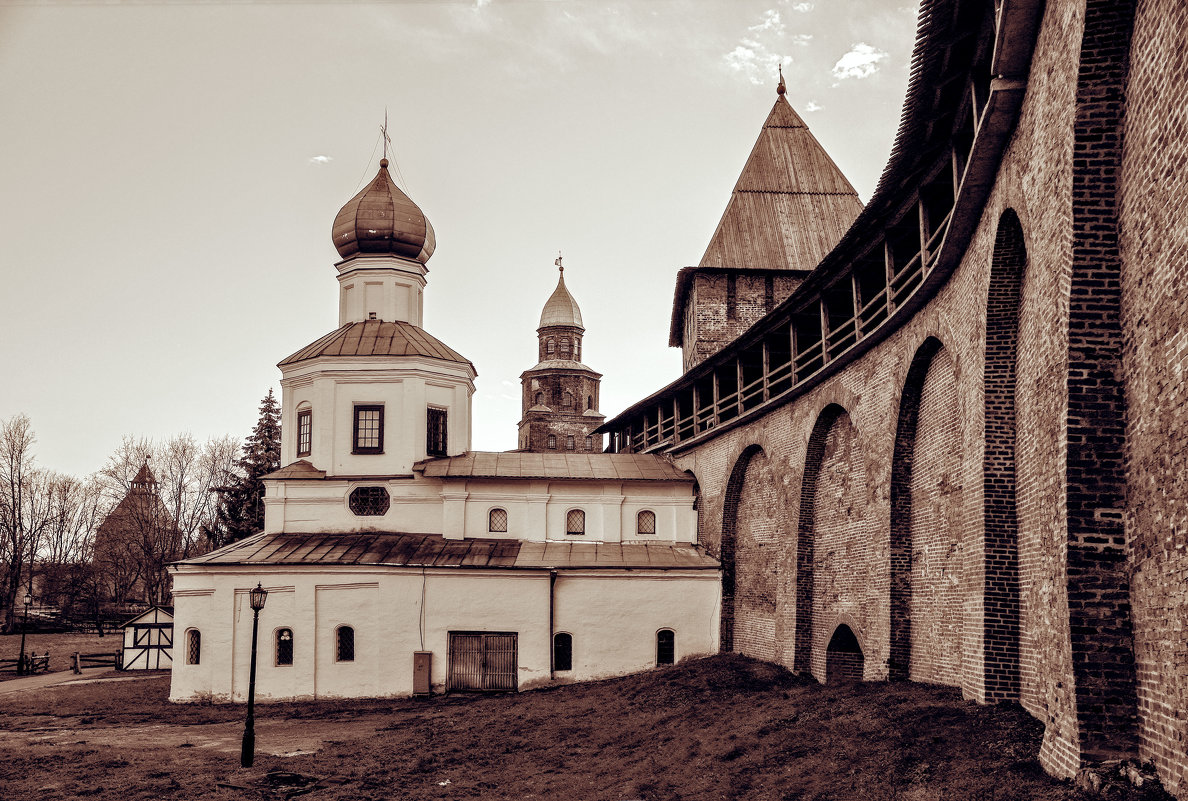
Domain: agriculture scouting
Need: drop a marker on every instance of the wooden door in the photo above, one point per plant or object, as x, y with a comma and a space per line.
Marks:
483, 662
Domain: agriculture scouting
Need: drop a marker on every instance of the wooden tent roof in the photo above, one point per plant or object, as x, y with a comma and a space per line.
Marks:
378, 338
790, 206
431, 550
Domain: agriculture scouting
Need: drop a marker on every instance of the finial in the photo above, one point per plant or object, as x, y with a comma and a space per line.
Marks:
558, 263
782, 87
387, 139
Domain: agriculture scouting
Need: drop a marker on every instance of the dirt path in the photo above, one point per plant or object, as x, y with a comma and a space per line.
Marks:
275, 737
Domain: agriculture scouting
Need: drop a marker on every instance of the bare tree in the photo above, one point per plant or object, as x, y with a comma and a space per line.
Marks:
16, 465
75, 510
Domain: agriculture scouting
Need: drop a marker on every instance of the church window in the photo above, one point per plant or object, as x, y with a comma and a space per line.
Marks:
577, 348
589, 443
551, 442
369, 429
304, 431
567, 400
569, 443
344, 644
436, 440
645, 523
565, 347
497, 520
665, 647
589, 402
284, 646
575, 522
550, 346
193, 647
369, 501
540, 399
562, 651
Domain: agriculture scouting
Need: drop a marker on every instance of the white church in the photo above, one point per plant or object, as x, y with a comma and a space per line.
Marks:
397, 560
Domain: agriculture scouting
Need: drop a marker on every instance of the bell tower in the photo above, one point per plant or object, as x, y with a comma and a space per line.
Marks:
560, 394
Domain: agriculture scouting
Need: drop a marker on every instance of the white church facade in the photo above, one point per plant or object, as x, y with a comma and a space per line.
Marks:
397, 560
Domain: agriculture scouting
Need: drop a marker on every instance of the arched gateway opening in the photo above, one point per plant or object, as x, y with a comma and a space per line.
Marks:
843, 657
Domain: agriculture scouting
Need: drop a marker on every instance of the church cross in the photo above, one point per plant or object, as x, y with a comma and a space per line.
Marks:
558, 262
384, 133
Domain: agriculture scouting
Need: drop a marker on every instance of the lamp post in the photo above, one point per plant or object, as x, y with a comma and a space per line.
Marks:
22, 661
247, 754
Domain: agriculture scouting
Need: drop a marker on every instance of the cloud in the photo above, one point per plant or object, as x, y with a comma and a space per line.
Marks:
813, 105
803, 8
861, 62
320, 159
762, 47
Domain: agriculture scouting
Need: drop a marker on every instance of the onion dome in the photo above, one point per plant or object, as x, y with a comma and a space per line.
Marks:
382, 219
561, 308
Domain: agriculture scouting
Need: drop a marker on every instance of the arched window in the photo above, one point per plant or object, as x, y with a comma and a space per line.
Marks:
665, 647
344, 646
589, 401
550, 346
567, 400
569, 443
551, 441
497, 520
304, 429
589, 443
284, 646
193, 647
562, 651
575, 522
539, 399
645, 523
577, 348
565, 346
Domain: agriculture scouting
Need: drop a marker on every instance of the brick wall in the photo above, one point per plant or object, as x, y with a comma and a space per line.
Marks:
1154, 249
721, 305
756, 534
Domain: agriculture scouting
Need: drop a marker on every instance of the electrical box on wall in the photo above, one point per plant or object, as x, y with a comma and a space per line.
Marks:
422, 672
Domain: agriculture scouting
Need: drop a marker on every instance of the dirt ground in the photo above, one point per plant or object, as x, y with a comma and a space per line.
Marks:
61, 647
718, 728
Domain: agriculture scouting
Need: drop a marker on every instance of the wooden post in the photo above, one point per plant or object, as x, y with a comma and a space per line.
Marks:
77, 663
766, 371
923, 214
824, 332
857, 305
889, 266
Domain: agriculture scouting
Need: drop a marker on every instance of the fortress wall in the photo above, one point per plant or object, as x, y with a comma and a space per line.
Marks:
1154, 242
1035, 181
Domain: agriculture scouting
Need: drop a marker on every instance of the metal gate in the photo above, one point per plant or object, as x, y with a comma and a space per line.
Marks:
482, 661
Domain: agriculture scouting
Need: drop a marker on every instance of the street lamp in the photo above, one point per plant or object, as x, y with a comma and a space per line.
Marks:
22, 661
247, 754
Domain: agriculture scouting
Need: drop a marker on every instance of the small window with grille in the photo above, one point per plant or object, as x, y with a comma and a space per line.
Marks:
436, 435
193, 647
369, 429
569, 443
369, 501
284, 646
344, 645
497, 520
567, 400
562, 651
304, 432
551, 442
665, 647
589, 443
575, 522
645, 523
550, 347
540, 399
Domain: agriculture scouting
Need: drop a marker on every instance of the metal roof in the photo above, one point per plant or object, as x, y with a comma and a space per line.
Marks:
614, 466
561, 308
378, 338
430, 550
382, 219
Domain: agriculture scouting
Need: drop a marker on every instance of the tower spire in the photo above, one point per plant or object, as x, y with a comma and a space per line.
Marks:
782, 87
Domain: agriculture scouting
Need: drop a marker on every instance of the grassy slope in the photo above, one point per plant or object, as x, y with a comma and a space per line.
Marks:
724, 727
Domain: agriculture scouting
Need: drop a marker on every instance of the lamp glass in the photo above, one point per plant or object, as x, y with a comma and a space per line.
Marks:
257, 597
28, 599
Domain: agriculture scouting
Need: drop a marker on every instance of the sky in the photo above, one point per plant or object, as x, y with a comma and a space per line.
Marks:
169, 173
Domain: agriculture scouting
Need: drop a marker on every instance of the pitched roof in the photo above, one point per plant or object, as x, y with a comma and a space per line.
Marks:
378, 338
790, 206
613, 466
431, 550
298, 469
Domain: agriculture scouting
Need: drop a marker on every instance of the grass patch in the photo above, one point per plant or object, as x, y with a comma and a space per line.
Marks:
724, 727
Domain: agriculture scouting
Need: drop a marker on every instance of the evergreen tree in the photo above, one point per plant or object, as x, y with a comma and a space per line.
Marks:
241, 500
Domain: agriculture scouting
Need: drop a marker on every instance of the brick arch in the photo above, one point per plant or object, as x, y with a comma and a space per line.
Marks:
844, 658
902, 459
1000, 635
729, 541
806, 534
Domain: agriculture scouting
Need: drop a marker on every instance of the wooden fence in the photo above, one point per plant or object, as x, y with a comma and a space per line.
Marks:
111, 659
36, 664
